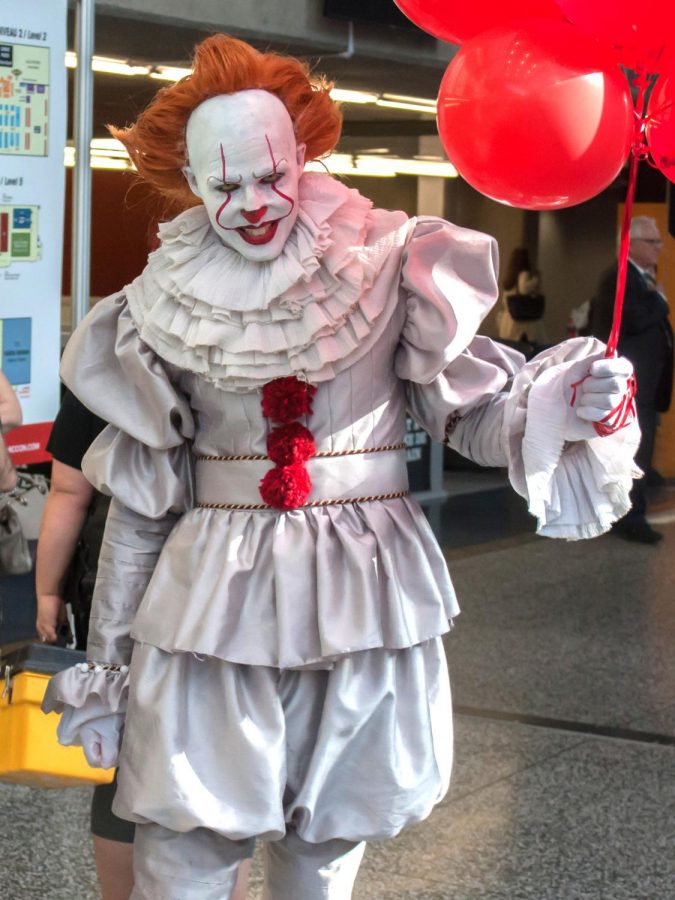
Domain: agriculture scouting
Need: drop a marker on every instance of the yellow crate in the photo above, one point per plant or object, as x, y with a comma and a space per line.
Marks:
29, 750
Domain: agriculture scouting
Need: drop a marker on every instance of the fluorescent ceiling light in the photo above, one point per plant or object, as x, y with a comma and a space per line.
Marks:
109, 153
423, 107
440, 169
108, 162
382, 167
108, 65
404, 98
112, 66
345, 164
101, 158
117, 67
110, 143
169, 73
345, 96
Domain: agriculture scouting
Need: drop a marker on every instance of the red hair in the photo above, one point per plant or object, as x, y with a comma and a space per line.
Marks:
225, 65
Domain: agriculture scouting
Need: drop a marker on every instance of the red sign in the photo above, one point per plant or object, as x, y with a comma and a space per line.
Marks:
27, 444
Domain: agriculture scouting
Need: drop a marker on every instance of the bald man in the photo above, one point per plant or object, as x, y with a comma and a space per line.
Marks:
646, 338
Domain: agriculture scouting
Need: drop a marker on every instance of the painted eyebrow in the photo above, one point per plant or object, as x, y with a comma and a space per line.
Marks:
219, 180
273, 170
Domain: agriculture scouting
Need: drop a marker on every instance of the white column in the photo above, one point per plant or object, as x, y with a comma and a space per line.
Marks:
82, 133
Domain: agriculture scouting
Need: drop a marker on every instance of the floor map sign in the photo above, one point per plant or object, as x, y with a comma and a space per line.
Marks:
33, 112
24, 99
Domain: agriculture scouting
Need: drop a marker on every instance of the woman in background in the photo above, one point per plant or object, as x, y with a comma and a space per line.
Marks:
522, 304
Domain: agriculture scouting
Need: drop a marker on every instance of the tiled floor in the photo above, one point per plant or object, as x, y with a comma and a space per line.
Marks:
563, 667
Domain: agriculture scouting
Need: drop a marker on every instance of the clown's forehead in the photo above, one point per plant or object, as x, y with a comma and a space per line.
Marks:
240, 125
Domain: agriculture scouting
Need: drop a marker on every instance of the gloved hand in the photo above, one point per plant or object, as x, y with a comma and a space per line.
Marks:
101, 739
594, 390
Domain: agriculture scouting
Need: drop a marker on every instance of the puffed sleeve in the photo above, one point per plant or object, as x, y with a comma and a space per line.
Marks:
142, 459
489, 404
449, 279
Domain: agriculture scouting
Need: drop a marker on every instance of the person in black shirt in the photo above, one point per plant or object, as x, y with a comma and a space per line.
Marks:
67, 557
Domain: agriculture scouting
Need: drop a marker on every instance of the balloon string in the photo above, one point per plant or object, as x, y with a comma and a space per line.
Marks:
617, 418
624, 413
637, 152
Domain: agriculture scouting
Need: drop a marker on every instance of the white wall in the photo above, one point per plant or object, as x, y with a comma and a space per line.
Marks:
575, 246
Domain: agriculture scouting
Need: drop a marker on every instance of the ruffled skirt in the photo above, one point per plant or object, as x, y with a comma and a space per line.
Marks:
297, 589
356, 752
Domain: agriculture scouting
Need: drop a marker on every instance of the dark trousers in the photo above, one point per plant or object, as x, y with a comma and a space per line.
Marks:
648, 419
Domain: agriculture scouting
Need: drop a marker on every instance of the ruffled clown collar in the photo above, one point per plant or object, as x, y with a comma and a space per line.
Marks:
239, 323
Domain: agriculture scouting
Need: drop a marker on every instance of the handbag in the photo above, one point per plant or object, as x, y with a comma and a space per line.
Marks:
15, 558
525, 307
28, 500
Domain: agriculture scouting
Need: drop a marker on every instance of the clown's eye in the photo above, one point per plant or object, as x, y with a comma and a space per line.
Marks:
272, 178
226, 187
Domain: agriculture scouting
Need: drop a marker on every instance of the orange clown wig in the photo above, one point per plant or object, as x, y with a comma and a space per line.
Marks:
224, 65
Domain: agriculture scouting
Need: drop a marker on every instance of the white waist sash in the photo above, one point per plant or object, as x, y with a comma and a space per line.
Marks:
374, 475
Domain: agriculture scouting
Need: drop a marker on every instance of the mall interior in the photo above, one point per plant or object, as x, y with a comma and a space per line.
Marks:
562, 662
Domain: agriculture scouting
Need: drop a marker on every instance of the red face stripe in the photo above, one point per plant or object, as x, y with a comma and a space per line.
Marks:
273, 186
228, 197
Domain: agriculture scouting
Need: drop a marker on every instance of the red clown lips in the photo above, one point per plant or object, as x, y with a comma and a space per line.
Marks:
259, 234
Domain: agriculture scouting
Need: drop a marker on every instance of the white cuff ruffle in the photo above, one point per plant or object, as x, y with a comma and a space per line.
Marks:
82, 694
575, 490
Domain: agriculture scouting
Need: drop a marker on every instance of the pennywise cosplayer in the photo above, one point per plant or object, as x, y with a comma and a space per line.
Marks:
270, 601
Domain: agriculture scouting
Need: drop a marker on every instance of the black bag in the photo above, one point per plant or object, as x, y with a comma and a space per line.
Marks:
81, 577
525, 307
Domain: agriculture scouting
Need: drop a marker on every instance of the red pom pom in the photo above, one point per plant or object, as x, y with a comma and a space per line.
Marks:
286, 487
286, 399
290, 444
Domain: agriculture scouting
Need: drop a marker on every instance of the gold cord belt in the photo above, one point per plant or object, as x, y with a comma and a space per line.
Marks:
338, 478
342, 502
320, 454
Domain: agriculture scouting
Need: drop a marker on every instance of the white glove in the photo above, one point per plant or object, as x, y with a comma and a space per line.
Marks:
101, 739
596, 395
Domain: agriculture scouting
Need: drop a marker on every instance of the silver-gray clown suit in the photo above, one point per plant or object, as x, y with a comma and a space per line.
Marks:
287, 667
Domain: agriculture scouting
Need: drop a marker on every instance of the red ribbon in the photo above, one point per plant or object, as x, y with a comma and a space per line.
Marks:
617, 418
638, 151
624, 413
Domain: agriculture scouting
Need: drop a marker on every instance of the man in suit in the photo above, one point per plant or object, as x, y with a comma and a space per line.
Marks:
646, 338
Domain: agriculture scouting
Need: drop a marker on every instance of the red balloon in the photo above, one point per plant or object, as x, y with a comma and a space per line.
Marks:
661, 125
460, 21
641, 31
538, 116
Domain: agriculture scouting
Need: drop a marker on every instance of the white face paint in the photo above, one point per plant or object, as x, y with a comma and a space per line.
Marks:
244, 163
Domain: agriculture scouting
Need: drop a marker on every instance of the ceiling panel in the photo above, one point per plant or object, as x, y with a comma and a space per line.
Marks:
118, 100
